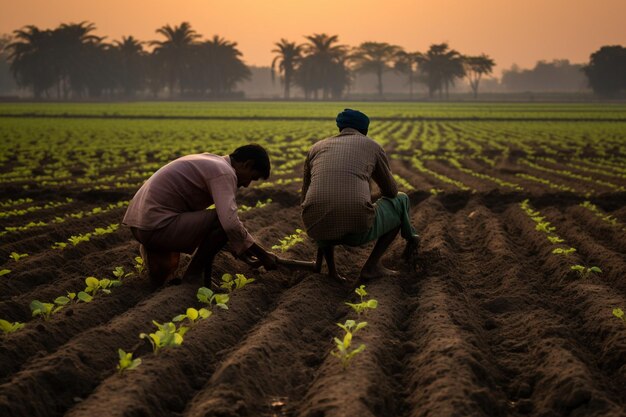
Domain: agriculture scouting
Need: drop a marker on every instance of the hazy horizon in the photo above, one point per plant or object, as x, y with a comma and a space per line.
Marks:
519, 33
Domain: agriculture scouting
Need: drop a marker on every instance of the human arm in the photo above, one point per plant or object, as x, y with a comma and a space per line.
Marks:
306, 178
383, 177
223, 189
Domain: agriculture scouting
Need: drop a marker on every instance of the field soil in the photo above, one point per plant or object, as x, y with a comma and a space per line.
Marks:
487, 322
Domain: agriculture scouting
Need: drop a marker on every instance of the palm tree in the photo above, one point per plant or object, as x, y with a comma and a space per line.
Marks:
408, 63
475, 68
321, 54
74, 50
287, 59
374, 57
439, 67
29, 55
225, 66
174, 50
131, 57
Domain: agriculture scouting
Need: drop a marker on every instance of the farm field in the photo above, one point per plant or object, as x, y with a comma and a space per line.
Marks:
508, 311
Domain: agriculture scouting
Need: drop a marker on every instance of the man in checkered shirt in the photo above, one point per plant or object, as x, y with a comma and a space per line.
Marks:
337, 206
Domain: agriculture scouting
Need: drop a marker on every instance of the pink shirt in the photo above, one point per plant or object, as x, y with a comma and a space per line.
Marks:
190, 183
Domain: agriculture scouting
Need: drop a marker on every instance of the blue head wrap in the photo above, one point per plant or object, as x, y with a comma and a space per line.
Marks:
354, 119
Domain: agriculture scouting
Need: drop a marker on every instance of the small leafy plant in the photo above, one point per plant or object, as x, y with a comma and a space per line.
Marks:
17, 256
290, 240
126, 362
193, 315
208, 297
343, 347
563, 251
166, 336
95, 285
617, 312
139, 266
45, 310
119, 273
8, 327
364, 305
230, 283
4, 272
555, 239
586, 272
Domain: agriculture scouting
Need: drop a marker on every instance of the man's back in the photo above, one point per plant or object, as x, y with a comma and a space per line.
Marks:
336, 190
183, 185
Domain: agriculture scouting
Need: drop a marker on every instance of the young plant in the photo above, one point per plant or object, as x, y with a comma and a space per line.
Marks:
344, 351
126, 363
617, 312
45, 310
4, 272
139, 266
562, 251
555, 239
8, 327
586, 272
193, 315
545, 227
119, 273
94, 285
290, 241
17, 256
167, 335
238, 282
364, 305
208, 297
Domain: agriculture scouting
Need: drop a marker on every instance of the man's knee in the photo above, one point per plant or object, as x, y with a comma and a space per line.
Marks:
402, 197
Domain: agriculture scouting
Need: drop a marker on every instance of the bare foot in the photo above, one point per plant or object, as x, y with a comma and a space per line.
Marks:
377, 271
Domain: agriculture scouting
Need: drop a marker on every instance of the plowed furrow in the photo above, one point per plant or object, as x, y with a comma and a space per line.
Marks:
87, 359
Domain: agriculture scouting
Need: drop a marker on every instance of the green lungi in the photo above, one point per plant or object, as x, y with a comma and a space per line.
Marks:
389, 214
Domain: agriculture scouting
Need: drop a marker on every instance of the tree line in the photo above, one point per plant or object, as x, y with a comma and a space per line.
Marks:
71, 62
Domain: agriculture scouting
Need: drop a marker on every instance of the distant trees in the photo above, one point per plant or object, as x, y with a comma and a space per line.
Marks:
287, 60
475, 67
71, 61
374, 57
323, 67
408, 63
440, 66
558, 75
606, 70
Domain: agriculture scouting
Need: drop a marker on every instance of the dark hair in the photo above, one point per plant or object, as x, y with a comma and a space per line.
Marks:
255, 153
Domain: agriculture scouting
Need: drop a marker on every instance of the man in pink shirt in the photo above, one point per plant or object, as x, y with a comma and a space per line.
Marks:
168, 215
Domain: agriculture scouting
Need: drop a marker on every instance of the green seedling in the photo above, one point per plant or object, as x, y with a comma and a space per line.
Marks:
139, 266
45, 310
562, 251
289, 241
351, 326
364, 304
586, 272
17, 256
193, 315
119, 273
166, 336
343, 349
8, 327
59, 245
545, 227
208, 297
617, 312
84, 297
4, 272
75, 240
359, 308
238, 282
95, 285
555, 239
127, 363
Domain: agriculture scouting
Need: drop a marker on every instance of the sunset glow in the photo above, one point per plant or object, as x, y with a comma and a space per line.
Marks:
520, 32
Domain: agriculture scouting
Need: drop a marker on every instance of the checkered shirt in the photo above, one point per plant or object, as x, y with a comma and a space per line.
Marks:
336, 192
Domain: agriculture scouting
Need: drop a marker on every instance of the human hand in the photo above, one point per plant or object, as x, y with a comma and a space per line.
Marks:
270, 262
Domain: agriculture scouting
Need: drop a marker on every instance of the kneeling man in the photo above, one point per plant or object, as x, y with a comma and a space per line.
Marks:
337, 206
168, 215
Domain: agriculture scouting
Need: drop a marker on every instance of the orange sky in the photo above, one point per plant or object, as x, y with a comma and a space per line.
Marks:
510, 31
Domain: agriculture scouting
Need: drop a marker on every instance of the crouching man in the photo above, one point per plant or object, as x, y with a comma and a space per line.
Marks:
337, 206
168, 215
